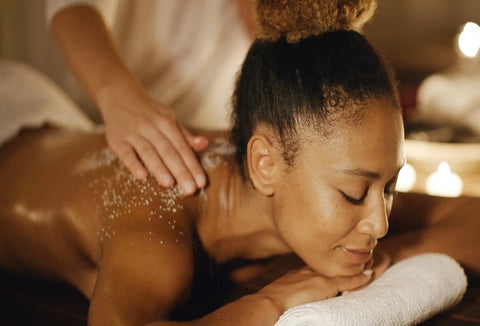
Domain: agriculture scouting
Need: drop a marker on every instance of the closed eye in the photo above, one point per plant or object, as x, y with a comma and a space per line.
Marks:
353, 201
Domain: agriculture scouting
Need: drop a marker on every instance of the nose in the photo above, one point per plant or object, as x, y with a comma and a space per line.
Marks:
375, 222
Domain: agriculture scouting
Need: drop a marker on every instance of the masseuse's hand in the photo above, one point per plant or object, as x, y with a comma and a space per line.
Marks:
138, 129
305, 285
146, 136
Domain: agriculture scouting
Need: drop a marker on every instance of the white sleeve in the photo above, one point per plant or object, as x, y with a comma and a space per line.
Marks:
107, 8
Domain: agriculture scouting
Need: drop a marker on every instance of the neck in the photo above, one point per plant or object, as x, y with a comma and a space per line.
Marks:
235, 220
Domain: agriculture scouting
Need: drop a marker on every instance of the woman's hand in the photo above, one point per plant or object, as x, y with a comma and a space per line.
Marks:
140, 130
380, 262
305, 285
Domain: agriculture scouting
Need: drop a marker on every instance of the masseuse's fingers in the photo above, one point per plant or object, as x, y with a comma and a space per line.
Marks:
177, 154
146, 137
198, 143
149, 156
127, 155
166, 137
130, 149
305, 285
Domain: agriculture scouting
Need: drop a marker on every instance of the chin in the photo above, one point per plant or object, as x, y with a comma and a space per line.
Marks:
340, 270
354, 270
336, 266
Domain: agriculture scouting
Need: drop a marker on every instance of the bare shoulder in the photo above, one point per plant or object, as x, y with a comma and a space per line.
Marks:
147, 239
147, 264
143, 233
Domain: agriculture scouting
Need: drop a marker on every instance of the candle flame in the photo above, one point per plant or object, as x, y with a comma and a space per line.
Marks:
444, 168
469, 40
443, 182
406, 178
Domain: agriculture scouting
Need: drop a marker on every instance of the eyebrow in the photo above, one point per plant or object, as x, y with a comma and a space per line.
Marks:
366, 173
363, 173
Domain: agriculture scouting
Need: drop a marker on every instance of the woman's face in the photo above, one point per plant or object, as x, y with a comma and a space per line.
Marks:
334, 203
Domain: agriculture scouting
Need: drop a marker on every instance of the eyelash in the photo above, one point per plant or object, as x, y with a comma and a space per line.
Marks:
389, 186
390, 192
358, 202
353, 201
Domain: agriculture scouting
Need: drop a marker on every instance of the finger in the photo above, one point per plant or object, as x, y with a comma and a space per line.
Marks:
370, 263
128, 157
198, 143
348, 283
153, 162
382, 262
189, 161
164, 146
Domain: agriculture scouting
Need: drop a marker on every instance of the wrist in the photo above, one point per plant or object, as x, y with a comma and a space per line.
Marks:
119, 90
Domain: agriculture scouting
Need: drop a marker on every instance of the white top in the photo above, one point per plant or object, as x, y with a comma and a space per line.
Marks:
186, 53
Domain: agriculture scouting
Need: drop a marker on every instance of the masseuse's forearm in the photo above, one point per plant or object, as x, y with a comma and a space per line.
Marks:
246, 311
90, 52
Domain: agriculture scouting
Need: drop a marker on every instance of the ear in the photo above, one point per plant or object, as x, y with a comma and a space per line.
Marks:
264, 163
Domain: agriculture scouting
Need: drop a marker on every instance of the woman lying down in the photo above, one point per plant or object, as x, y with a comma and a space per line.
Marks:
309, 169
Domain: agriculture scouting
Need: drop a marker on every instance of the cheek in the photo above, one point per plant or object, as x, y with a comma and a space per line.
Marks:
315, 229
338, 218
294, 209
313, 219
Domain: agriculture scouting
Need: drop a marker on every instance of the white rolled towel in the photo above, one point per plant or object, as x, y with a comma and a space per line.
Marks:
409, 292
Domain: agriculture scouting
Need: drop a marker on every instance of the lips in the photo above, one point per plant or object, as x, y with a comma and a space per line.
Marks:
357, 256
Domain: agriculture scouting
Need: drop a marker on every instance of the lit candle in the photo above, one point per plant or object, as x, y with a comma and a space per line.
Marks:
406, 178
469, 40
443, 182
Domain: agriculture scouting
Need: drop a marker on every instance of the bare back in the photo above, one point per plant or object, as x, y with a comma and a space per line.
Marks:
76, 215
47, 207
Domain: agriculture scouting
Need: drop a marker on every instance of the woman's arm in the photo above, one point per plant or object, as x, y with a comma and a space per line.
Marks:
134, 123
265, 307
147, 270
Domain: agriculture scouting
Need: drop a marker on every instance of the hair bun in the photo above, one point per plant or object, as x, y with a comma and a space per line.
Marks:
297, 19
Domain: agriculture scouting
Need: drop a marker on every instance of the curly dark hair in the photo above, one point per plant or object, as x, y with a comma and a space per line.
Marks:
314, 82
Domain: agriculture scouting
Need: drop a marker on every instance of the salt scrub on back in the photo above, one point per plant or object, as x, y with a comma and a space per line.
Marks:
95, 160
120, 192
215, 154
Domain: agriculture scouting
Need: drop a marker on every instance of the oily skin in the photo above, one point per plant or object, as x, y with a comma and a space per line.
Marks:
278, 220
53, 222
43, 205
